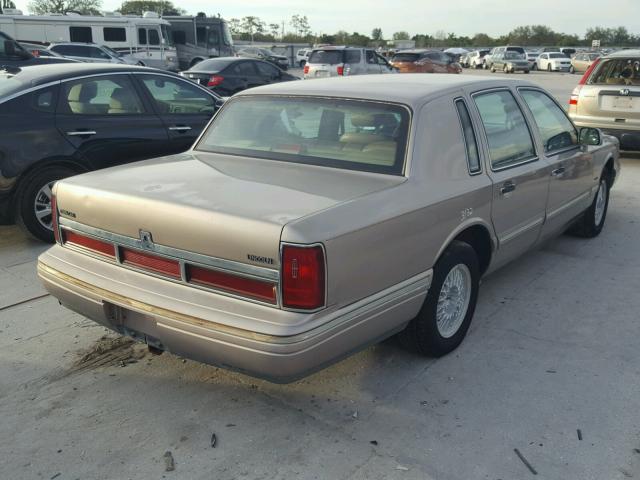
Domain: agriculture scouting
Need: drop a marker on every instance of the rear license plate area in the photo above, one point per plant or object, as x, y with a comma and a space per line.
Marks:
135, 325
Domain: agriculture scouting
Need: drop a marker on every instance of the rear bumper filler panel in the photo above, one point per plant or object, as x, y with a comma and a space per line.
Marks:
279, 358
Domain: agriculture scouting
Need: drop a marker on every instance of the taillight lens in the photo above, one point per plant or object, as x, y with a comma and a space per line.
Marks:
257, 289
340, 70
89, 243
306, 69
54, 218
303, 277
215, 80
150, 262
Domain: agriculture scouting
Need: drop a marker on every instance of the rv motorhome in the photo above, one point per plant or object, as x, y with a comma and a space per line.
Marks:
200, 37
147, 38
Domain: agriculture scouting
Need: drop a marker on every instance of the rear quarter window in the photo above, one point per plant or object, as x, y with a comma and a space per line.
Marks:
617, 71
330, 57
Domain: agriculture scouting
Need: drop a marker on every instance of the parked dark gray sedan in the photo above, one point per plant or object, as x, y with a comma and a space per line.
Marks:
61, 120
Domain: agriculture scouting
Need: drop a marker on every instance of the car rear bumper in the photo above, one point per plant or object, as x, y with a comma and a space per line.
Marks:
165, 318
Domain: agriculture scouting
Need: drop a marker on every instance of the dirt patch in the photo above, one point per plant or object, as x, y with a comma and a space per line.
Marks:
109, 350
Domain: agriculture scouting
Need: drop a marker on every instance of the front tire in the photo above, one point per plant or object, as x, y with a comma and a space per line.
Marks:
34, 201
446, 314
592, 221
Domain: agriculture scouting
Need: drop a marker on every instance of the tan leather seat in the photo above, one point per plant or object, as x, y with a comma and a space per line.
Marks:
80, 96
123, 101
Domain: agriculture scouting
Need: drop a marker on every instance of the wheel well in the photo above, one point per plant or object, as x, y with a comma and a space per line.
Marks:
478, 237
610, 169
46, 163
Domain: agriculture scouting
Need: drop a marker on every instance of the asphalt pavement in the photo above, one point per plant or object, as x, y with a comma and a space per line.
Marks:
550, 368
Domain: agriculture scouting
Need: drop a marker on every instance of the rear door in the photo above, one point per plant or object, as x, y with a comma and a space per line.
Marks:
184, 108
268, 73
520, 178
371, 62
107, 122
571, 167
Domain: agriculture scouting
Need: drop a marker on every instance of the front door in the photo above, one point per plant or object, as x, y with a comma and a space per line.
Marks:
571, 167
183, 107
104, 118
520, 178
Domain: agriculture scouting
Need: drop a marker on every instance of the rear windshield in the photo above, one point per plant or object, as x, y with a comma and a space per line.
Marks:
212, 65
557, 55
331, 57
405, 57
349, 134
618, 71
516, 49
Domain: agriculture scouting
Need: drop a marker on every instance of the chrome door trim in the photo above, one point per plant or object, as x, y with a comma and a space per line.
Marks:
567, 205
525, 228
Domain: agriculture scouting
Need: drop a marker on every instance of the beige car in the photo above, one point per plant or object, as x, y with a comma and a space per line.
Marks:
581, 62
608, 97
312, 219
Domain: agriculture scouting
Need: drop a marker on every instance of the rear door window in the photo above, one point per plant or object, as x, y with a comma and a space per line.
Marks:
326, 57
109, 95
354, 135
508, 135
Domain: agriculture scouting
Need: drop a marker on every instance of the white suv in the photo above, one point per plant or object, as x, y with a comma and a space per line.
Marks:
302, 56
343, 61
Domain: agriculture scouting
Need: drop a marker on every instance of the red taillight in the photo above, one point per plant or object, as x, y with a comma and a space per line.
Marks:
303, 277
54, 218
148, 261
340, 70
306, 69
215, 80
227, 282
89, 243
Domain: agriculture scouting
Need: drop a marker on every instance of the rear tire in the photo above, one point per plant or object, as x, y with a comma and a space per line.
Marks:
534, 66
446, 314
592, 221
526, 71
492, 69
572, 70
302, 63
34, 200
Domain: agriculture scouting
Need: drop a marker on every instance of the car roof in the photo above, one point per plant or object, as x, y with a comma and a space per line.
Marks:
624, 53
34, 75
411, 89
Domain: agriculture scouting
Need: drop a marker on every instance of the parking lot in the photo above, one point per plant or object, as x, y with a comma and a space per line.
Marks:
550, 367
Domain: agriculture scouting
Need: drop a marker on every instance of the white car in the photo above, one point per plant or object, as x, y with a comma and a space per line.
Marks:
553, 62
92, 53
302, 56
532, 58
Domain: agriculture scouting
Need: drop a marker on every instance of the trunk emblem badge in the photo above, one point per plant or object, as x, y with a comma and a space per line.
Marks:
146, 240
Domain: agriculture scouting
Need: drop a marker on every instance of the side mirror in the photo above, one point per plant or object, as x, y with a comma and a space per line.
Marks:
589, 136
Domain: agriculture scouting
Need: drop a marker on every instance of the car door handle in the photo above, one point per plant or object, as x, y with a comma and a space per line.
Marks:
180, 128
558, 172
508, 187
79, 133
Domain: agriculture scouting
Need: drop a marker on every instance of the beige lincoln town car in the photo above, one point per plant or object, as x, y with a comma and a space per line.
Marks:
312, 219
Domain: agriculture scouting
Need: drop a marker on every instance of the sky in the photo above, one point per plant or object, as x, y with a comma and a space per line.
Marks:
463, 17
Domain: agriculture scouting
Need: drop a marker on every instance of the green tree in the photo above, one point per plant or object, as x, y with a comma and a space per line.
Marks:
161, 7
300, 24
85, 7
234, 26
376, 34
274, 29
250, 26
401, 36
481, 40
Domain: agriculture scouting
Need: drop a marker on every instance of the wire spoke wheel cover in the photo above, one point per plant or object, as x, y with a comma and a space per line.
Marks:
453, 300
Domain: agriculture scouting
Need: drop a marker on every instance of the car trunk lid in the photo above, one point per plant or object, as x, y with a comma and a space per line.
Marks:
216, 205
